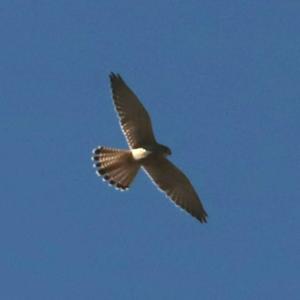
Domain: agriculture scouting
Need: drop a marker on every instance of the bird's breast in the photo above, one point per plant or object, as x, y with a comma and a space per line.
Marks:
140, 153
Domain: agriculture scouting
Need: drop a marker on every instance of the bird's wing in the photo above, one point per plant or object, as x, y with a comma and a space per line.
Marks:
134, 119
176, 185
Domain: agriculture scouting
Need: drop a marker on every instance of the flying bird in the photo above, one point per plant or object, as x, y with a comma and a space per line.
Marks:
119, 167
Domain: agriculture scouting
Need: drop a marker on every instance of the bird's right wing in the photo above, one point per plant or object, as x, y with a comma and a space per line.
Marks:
134, 119
176, 185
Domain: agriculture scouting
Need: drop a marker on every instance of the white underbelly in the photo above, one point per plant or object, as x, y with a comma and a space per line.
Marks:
140, 153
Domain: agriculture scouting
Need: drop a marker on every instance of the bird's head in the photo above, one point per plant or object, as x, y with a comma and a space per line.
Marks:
165, 150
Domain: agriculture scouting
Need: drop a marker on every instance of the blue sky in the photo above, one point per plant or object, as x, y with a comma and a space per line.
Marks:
221, 82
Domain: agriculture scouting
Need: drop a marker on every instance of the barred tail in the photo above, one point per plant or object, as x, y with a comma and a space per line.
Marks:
116, 166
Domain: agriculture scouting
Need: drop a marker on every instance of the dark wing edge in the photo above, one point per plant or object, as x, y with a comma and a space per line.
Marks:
134, 119
174, 183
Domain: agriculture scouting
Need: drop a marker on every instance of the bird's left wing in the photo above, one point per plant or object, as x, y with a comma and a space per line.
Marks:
176, 185
134, 119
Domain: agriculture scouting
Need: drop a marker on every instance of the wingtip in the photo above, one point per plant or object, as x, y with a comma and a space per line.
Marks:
202, 219
115, 76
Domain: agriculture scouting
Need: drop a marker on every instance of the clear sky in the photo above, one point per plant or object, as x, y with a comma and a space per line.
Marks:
221, 82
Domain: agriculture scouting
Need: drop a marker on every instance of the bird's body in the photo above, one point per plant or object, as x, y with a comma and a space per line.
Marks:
140, 154
145, 152
119, 167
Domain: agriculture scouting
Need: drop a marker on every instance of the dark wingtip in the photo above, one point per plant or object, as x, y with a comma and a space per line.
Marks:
202, 218
115, 77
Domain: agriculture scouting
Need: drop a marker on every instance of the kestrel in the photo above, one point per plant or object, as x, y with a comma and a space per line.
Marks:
119, 167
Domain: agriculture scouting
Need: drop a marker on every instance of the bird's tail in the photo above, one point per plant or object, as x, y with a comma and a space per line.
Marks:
116, 166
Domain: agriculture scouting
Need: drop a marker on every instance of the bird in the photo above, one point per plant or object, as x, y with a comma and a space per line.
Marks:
119, 167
